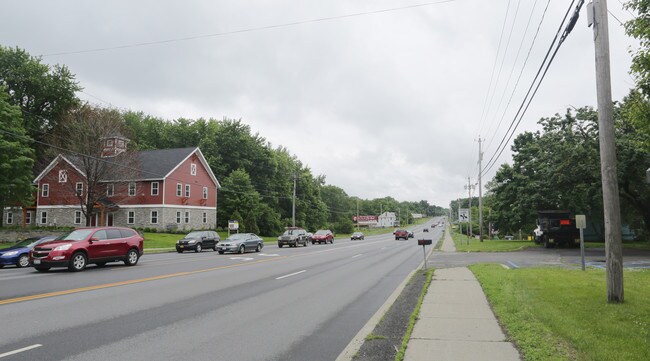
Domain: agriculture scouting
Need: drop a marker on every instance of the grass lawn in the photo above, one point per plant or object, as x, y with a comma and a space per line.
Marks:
563, 314
488, 245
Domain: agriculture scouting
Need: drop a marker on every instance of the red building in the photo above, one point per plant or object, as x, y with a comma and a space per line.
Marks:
165, 189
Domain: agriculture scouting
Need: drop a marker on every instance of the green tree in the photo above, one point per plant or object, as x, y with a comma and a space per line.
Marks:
239, 198
44, 93
16, 158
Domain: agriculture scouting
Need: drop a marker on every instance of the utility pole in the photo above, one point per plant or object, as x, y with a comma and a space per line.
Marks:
357, 214
480, 190
611, 202
293, 210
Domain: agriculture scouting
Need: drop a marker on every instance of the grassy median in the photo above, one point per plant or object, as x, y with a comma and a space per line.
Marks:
463, 244
563, 314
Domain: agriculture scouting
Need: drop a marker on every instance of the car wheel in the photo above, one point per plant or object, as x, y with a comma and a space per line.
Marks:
179, 250
279, 245
215, 246
131, 257
220, 252
78, 262
198, 248
332, 241
259, 248
23, 261
242, 249
42, 269
100, 264
1, 265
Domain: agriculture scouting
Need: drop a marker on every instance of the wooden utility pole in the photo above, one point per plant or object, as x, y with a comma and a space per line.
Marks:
480, 190
293, 208
611, 202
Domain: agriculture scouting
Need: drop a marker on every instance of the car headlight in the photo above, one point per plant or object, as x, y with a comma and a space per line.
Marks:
64, 247
192, 242
12, 253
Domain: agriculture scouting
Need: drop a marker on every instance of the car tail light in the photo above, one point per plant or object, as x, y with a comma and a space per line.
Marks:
565, 222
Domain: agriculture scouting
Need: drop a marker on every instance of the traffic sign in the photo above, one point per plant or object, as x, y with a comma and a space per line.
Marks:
463, 214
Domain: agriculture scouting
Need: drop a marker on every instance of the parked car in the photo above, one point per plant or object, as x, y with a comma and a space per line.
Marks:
197, 241
322, 235
411, 234
293, 236
88, 245
240, 243
356, 235
18, 254
401, 233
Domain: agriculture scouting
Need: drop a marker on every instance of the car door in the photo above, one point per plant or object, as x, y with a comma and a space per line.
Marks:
211, 238
100, 246
118, 246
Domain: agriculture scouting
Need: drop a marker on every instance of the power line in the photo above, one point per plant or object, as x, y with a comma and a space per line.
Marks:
563, 36
248, 30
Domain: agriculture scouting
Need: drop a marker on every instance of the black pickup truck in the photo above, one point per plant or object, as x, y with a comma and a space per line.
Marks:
556, 228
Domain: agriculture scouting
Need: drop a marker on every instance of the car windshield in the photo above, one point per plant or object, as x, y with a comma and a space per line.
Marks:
289, 232
78, 235
194, 235
356, 234
321, 232
26, 242
238, 237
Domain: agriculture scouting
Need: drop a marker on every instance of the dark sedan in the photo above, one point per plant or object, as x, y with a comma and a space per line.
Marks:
240, 243
198, 240
356, 235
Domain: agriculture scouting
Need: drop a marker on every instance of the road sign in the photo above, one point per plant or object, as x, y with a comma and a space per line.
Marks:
463, 215
233, 225
581, 221
424, 242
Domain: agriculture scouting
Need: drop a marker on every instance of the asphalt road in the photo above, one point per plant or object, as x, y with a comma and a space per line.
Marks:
279, 304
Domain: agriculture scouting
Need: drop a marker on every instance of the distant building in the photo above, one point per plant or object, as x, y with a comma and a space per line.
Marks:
387, 219
417, 215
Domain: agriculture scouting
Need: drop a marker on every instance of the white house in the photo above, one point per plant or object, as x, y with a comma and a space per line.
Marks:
387, 219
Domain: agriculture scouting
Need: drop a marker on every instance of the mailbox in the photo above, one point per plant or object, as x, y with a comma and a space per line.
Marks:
424, 242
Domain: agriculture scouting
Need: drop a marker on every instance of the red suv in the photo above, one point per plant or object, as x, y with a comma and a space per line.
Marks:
88, 245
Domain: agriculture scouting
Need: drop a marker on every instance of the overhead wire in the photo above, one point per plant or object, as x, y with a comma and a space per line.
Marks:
247, 30
515, 122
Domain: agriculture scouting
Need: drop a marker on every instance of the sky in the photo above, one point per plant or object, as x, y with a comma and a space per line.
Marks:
383, 97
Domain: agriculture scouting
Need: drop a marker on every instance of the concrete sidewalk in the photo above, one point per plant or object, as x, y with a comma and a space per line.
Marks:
456, 322
448, 243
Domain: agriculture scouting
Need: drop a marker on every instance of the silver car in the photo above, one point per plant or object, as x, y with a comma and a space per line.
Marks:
240, 243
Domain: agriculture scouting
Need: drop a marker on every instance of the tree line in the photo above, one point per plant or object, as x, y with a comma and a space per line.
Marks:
39, 110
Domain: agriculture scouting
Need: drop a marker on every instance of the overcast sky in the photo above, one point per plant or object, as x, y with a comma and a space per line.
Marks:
389, 103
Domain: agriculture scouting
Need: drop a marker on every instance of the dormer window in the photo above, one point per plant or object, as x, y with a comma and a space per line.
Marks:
109, 142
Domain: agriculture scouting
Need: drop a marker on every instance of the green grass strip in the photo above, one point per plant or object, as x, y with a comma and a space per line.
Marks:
414, 316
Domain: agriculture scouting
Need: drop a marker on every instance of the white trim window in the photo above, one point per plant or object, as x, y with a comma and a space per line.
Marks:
43, 217
193, 169
131, 189
130, 217
179, 190
110, 190
109, 142
155, 186
45, 190
79, 189
28, 217
205, 217
178, 217
187, 191
154, 217
77, 217
205, 192
63, 176
10, 217
187, 217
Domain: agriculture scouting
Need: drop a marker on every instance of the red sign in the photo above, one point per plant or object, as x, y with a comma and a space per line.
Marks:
365, 218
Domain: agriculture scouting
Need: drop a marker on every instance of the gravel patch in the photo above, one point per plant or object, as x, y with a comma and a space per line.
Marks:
386, 339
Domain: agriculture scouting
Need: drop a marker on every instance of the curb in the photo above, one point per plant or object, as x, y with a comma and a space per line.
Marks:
355, 344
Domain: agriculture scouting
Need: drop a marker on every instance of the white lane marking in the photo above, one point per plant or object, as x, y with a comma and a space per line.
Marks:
20, 350
504, 266
291, 274
242, 258
359, 255
383, 248
268, 255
